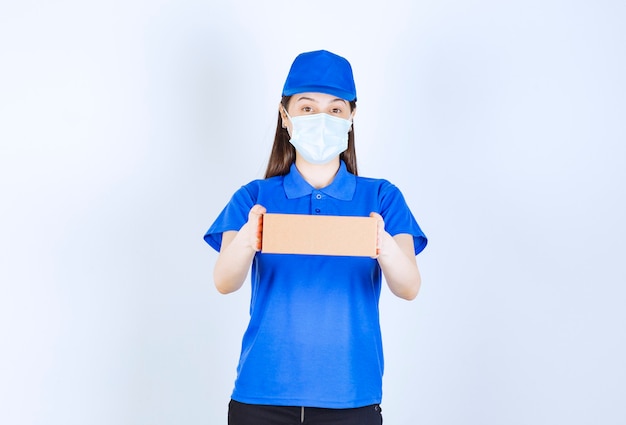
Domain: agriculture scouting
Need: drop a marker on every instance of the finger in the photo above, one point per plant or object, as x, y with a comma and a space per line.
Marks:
379, 220
259, 209
259, 234
380, 227
255, 211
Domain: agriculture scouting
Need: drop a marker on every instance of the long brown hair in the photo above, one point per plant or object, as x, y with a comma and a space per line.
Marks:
284, 154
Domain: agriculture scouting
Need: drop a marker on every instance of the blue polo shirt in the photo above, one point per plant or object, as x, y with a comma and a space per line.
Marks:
314, 334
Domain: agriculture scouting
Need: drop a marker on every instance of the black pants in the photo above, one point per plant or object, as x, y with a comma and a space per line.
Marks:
258, 414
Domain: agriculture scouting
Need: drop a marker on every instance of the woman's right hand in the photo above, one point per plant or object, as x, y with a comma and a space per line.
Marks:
237, 252
253, 229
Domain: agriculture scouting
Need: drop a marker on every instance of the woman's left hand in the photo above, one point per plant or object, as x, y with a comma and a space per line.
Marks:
383, 237
396, 257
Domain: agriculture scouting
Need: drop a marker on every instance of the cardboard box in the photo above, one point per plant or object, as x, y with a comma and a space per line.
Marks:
319, 235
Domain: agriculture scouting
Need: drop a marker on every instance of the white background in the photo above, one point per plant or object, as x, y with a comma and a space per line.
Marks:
125, 126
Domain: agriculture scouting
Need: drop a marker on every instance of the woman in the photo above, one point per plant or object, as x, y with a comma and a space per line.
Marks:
312, 352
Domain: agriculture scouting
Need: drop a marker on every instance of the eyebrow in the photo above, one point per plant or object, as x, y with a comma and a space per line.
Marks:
313, 100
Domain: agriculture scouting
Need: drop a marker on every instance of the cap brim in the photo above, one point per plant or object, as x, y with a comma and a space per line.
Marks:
333, 91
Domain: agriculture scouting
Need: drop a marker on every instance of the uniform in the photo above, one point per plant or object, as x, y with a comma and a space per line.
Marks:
314, 335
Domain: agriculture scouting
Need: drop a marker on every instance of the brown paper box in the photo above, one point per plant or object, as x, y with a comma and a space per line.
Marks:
319, 234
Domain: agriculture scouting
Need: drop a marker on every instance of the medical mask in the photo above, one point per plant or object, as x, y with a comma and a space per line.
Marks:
319, 137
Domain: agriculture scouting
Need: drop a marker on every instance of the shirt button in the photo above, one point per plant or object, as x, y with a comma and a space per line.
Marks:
317, 210
318, 196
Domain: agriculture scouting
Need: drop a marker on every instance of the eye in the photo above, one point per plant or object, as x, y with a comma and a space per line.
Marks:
307, 109
337, 111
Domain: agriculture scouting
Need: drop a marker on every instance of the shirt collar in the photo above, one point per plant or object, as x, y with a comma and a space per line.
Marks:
342, 187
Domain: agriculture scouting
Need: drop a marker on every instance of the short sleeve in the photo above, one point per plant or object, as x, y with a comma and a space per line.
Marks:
399, 218
233, 216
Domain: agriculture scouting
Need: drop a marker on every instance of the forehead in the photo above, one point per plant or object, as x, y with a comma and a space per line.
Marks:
315, 97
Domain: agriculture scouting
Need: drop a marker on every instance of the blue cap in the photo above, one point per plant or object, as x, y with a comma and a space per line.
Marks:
321, 72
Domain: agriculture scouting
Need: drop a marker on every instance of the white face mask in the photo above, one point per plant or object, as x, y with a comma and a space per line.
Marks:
319, 138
